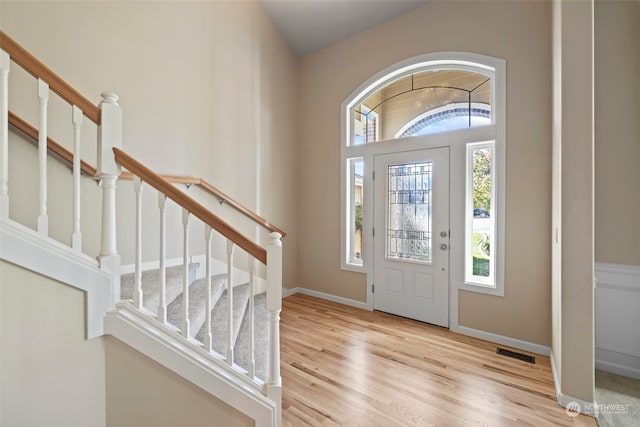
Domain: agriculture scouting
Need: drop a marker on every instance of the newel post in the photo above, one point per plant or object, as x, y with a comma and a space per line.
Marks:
109, 136
274, 306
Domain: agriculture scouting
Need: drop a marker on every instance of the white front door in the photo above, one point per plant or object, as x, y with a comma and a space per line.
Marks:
411, 236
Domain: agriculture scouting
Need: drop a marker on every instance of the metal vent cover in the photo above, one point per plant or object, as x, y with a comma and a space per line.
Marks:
516, 355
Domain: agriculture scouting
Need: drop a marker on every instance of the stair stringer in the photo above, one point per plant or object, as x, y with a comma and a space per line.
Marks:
190, 361
31, 250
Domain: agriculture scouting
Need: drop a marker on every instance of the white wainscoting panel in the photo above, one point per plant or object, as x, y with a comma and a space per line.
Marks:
617, 319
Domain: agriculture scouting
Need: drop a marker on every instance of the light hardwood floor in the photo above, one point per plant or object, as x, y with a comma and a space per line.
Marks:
350, 367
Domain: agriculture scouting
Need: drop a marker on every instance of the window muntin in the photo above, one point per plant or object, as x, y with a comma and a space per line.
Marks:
383, 113
480, 215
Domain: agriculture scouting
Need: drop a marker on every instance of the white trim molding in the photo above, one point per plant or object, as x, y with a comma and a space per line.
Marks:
189, 360
617, 315
323, 295
503, 340
28, 249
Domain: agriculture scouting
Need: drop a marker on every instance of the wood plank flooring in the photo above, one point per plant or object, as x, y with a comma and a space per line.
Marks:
343, 366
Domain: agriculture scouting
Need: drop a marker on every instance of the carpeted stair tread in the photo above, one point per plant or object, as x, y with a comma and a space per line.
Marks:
197, 302
197, 311
151, 285
261, 336
219, 318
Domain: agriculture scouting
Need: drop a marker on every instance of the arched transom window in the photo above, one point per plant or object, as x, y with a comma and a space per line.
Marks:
428, 100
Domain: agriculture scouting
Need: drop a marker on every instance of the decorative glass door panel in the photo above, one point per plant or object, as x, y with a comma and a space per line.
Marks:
409, 224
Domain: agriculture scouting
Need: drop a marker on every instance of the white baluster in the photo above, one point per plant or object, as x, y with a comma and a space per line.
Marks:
230, 249
274, 306
185, 276
137, 292
109, 136
43, 220
162, 307
5, 64
251, 320
76, 236
207, 330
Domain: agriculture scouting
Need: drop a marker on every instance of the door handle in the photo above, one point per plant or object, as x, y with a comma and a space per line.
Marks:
443, 246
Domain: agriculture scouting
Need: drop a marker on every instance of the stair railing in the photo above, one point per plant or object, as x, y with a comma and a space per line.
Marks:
108, 118
67, 156
270, 257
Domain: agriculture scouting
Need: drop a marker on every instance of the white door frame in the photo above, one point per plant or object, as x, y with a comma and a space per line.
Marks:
433, 307
456, 142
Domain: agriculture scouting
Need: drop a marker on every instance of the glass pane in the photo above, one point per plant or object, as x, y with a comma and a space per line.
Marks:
366, 125
482, 230
409, 212
424, 102
356, 173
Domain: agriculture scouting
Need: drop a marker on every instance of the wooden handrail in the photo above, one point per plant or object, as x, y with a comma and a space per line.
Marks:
67, 156
33, 66
186, 202
53, 146
174, 179
240, 208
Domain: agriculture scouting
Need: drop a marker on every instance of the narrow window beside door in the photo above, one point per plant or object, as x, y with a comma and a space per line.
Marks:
480, 215
355, 209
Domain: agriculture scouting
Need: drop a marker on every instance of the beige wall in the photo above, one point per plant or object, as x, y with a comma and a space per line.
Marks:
51, 375
208, 89
617, 126
140, 392
519, 32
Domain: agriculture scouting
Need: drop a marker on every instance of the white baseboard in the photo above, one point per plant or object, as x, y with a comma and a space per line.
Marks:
617, 312
503, 340
628, 366
325, 296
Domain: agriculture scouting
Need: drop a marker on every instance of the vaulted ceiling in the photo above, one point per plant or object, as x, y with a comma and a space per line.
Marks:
310, 25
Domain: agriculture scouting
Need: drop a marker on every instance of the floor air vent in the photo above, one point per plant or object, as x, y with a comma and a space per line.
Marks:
515, 355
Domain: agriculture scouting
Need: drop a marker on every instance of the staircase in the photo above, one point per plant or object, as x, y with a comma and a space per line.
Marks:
214, 321
218, 314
